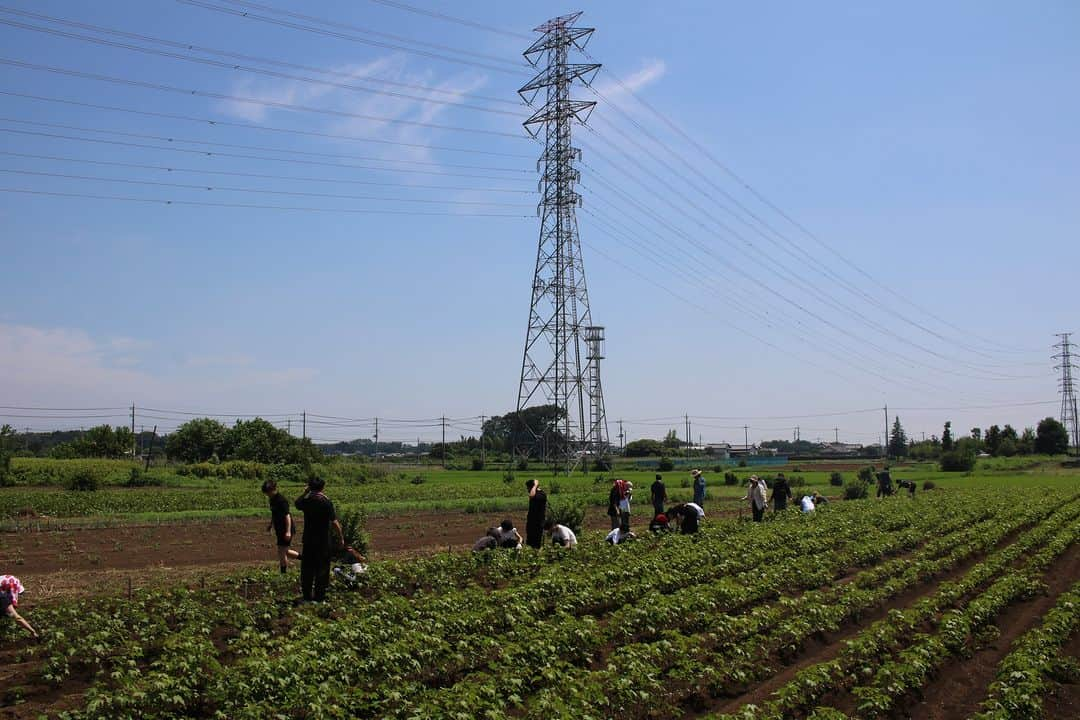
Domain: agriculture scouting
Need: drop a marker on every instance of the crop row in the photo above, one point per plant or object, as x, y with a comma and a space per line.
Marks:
872, 647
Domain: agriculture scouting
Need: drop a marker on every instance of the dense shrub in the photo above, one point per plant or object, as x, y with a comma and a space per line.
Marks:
856, 489
928, 485
742, 463
836, 479
572, 515
665, 465
418, 480
957, 461
354, 529
866, 474
600, 465
796, 481
522, 464
477, 464
730, 478
84, 481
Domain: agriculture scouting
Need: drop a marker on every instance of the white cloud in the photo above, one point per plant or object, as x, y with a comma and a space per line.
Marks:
652, 70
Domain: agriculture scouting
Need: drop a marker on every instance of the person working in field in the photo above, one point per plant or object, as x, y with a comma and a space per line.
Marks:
618, 535
781, 493
757, 493
884, 483
281, 523
909, 485
699, 487
319, 518
560, 534
658, 495
534, 521
490, 541
10, 590
509, 537
351, 566
687, 516
659, 523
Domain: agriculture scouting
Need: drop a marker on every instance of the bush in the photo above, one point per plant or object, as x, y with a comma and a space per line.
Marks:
665, 465
928, 485
717, 469
572, 515
508, 477
957, 461
418, 480
742, 463
866, 474
731, 478
83, 481
856, 489
354, 529
522, 464
836, 479
477, 464
796, 481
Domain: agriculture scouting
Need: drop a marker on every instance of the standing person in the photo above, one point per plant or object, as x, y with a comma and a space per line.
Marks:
534, 521
757, 494
884, 483
699, 487
560, 535
781, 493
10, 590
319, 517
658, 495
613, 503
626, 491
281, 523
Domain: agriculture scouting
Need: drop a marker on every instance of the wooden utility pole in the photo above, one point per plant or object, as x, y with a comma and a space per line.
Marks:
132, 431
303, 415
150, 451
444, 442
376, 439
481, 440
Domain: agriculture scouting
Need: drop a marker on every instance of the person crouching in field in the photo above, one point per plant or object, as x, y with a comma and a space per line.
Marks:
10, 590
687, 516
509, 537
319, 517
490, 541
350, 566
560, 535
281, 523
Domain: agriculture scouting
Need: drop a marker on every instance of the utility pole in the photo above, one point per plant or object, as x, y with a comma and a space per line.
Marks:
1066, 365
885, 447
552, 371
377, 440
303, 415
132, 431
481, 439
444, 442
288, 425
746, 439
836, 435
622, 445
686, 419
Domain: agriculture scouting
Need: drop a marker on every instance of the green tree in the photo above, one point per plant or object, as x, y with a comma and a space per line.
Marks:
1051, 437
532, 431
993, 439
1026, 445
7, 437
671, 440
946, 438
260, 441
897, 440
196, 440
643, 448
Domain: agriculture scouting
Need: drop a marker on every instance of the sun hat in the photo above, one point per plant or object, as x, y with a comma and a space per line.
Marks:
695, 472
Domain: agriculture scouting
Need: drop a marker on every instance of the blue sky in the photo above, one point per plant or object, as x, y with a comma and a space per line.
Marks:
931, 145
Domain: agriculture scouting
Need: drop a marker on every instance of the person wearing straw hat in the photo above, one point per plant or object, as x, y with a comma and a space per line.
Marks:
757, 494
699, 486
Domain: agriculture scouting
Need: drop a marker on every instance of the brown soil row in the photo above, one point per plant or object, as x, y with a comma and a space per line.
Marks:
822, 649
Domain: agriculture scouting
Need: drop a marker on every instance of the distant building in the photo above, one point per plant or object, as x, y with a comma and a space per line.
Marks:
839, 449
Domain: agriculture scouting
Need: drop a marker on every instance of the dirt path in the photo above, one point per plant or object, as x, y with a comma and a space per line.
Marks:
961, 685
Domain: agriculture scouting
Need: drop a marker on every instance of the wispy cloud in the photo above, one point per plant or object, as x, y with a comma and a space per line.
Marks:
652, 70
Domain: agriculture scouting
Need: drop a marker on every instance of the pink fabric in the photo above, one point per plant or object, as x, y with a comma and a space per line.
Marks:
10, 584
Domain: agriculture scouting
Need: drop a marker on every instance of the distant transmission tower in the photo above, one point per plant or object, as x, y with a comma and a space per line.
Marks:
551, 368
1068, 394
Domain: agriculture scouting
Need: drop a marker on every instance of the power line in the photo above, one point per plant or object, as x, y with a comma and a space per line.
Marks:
249, 206
255, 58
208, 153
351, 38
265, 128
290, 178
243, 68
453, 19
260, 148
254, 101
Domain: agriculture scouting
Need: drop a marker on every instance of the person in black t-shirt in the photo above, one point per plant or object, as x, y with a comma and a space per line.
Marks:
781, 493
281, 523
534, 521
319, 517
658, 494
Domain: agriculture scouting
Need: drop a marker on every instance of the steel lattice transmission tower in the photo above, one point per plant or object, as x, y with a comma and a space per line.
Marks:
552, 371
1066, 365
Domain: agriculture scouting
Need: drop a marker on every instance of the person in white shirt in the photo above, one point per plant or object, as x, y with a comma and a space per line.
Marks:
807, 504
561, 535
757, 494
619, 535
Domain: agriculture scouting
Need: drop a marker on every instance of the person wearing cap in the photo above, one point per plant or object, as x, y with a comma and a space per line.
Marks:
699, 487
658, 495
10, 590
757, 494
781, 493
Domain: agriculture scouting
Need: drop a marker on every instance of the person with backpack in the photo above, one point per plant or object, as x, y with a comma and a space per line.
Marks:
319, 518
10, 590
781, 493
281, 523
699, 487
658, 495
534, 521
